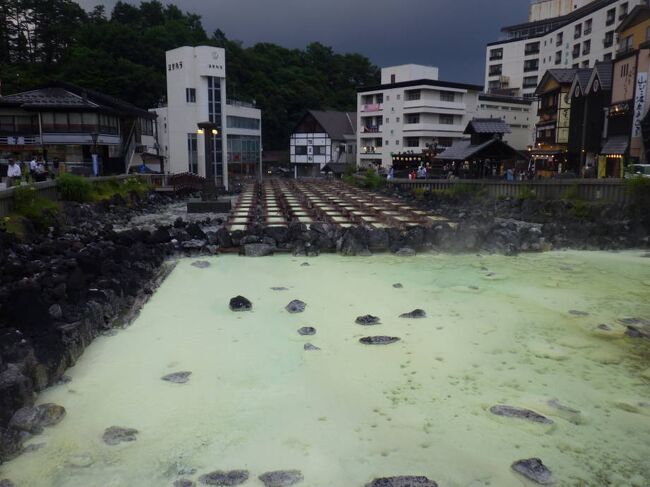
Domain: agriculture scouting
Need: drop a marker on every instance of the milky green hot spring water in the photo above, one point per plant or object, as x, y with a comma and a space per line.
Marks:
498, 331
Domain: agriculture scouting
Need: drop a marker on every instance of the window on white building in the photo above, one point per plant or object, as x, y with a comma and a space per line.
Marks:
193, 153
412, 118
319, 150
301, 150
447, 96
446, 119
412, 141
190, 95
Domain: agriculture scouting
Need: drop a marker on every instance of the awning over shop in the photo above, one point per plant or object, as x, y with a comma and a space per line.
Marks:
544, 152
615, 145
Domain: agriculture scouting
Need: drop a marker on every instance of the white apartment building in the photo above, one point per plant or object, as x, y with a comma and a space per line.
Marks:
519, 113
578, 39
200, 130
549, 9
410, 109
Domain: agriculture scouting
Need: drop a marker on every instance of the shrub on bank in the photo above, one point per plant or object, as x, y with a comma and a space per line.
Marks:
638, 189
372, 180
72, 187
30, 204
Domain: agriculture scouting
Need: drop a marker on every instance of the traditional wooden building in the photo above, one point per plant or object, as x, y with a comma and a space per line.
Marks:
484, 154
628, 106
554, 116
69, 123
590, 95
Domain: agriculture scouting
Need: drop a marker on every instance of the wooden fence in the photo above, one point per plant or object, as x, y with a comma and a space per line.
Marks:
606, 190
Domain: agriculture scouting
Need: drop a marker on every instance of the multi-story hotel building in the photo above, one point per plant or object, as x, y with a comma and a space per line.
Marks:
560, 34
201, 130
410, 110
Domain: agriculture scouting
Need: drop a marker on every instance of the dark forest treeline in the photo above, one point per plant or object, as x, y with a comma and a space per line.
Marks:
123, 54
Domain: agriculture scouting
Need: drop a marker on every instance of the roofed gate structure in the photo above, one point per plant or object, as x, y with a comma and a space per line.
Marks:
484, 154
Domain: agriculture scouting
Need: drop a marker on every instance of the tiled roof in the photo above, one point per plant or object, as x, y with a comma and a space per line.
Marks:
604, 71
463, 149
616, 144
47, 97
338, 125
487, 126
563, 76
62, 95
583, 75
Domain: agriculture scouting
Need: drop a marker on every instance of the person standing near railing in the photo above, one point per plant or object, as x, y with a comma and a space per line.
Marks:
13, 174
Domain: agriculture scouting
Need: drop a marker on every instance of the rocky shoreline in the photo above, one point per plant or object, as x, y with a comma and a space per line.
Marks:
61, 290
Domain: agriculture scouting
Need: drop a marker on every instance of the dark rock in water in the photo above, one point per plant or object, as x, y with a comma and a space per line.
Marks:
281, 478
240, 303
233, 477
296, 306
403, 481
305, 264
7, 483
184, 483
405, 252
310, 347
367, 320
279, 288
201, 264
634, 321
379, 340
533, 469
65, 379
398, 285
55, 311
634, 332
116, 435
576, 312
416, 313
34, 419
177, 377
258, 250
513, 412
50, 414
561, 407
604, 327
307, 330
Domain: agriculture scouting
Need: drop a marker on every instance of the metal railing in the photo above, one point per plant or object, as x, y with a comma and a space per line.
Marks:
609, 190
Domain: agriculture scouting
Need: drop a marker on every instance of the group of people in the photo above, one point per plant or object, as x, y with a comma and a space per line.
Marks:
37, 169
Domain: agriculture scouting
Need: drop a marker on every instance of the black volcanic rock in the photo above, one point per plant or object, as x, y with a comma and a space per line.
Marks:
379, 340
520, 413
367, 320
240, 303
533, 469
402, 481
416, 313
296, 306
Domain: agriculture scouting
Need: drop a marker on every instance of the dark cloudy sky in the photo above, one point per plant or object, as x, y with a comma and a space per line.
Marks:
450, 34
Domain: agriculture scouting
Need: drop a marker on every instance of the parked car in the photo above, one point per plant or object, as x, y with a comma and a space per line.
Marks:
642, 170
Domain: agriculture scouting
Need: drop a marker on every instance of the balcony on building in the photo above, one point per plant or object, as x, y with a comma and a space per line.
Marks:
495, 70
532, 48
496, 54
531, 65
